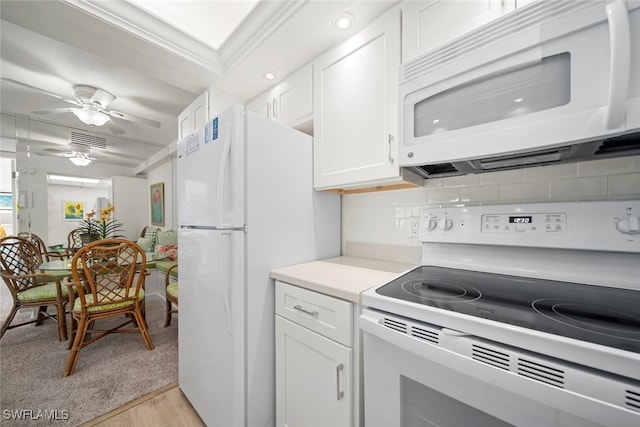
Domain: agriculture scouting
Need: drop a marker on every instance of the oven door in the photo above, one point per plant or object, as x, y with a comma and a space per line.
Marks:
410, 380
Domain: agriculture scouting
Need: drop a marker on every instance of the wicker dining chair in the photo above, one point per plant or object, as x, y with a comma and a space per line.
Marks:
42, 247
19, 261
171, 295
74, 239
108, 281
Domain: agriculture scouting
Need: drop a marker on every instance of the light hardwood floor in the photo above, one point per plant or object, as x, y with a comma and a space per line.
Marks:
164, 407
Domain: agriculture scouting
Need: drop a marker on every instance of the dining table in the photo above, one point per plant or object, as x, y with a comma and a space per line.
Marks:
59, 268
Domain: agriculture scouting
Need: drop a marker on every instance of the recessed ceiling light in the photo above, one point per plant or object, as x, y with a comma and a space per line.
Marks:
343, 21
269, 75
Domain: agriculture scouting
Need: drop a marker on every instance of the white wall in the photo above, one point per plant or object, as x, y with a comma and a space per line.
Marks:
58, 228
377, 225
165, 173
128, 196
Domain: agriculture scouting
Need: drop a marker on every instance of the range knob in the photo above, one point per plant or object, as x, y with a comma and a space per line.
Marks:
445, 224
432, 224
628, 225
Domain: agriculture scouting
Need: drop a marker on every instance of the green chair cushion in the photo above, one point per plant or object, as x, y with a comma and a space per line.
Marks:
89, 298
165, 265
172, 289
47, 291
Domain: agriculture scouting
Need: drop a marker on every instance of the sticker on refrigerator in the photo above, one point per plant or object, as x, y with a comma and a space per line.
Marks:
192, 142
211, 131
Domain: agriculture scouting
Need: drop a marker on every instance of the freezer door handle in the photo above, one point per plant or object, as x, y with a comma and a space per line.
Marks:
226, 278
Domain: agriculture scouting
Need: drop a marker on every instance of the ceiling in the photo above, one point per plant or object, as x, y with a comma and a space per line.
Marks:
152, 66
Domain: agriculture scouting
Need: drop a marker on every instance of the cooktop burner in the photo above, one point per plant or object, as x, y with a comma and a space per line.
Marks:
597, 314
592, 318
438, 290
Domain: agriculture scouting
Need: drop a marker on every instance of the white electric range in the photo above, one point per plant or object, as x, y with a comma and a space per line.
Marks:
519, 315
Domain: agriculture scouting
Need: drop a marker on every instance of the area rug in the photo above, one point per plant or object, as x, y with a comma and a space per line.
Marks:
110, 372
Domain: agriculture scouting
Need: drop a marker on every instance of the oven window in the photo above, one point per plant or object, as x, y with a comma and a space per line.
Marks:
541, 86
422, 406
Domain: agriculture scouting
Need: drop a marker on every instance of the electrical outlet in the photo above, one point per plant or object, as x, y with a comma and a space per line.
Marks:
415, 227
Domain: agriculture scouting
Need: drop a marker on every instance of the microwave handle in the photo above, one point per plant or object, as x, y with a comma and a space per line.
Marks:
620, 46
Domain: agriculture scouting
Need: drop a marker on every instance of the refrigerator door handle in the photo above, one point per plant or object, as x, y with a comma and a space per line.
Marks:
222, 172
226, 279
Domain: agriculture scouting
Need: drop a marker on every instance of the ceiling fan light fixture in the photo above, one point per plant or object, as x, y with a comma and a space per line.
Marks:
91, 116
80, 160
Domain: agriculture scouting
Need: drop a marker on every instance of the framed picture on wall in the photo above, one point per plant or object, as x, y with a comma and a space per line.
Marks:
72, 211
6, 201
156, 193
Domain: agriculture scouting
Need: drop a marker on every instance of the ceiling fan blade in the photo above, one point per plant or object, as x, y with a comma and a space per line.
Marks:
55, 95
56, 110
113, 127
132, 118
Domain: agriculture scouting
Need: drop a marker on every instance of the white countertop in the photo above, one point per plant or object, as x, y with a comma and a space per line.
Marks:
342, 277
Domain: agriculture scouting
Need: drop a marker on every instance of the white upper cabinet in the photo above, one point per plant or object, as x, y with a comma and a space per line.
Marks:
290, 103
355, 109
195, 115
428, 24
201, 110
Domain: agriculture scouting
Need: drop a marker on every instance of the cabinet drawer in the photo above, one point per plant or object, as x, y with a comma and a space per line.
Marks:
328, 316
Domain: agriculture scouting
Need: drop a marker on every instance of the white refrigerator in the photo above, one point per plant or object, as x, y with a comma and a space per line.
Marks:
246, 205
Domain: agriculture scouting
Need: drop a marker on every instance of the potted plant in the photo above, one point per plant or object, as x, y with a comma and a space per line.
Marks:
101, 228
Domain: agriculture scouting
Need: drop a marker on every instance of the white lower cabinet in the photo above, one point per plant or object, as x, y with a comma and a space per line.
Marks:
314, 359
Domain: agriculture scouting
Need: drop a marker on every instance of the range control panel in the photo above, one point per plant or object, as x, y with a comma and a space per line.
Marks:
524, 223
604, 225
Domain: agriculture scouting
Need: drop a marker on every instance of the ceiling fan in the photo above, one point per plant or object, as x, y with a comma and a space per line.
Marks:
93, 103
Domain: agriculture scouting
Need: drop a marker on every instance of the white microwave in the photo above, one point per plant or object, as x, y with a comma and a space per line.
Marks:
555, 81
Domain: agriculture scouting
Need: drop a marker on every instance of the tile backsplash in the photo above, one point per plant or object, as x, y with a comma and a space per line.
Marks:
384, 218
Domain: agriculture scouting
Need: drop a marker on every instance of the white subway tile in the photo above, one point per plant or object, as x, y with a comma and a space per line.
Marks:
578, 188
461, 181
625, 185
550, 172
484, 193
619, 165
401, 212
443, 196
524, 191
502, 177
433, 183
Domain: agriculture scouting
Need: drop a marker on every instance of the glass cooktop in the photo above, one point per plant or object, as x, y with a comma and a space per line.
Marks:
597, 314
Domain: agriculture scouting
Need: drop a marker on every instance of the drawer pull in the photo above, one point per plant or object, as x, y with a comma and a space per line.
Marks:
339, 393
310, 313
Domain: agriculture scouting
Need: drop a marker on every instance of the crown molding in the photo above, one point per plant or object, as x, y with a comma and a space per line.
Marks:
265, 19
140, 24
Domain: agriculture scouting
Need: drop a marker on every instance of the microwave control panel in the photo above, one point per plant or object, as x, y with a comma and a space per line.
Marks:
589, 225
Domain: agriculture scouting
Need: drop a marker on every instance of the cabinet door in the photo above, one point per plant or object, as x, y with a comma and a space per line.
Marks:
293, 98
261, 104
313, 379
428, 24
194, 116
355, 107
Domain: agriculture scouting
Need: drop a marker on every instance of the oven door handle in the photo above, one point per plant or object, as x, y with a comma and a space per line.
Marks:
454, 333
